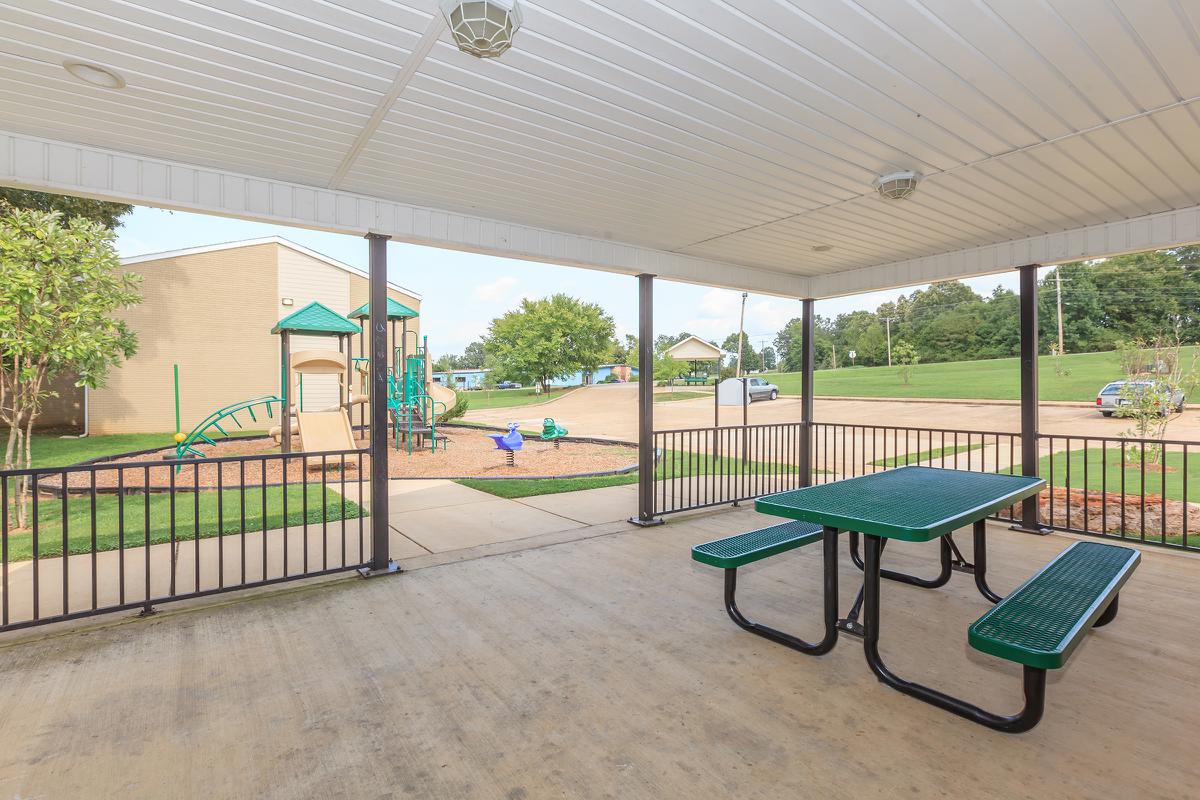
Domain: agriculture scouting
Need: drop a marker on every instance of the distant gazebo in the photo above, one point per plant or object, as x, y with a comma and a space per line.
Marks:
696, 352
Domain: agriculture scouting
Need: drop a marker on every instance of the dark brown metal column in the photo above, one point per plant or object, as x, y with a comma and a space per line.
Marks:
381, 564
645, 515
1029, 394
809, 345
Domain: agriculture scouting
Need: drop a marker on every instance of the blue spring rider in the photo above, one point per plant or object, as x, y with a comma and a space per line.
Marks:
509, 442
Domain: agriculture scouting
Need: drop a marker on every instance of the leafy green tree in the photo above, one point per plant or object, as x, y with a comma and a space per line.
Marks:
768, 358
750, 358
61, 288
446, 363
105, 213
473, 356
905, 356
551, 338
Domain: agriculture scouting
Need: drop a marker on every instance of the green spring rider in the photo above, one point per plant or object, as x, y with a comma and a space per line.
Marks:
552, 431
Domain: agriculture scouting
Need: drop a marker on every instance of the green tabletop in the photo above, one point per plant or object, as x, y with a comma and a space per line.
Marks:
916, 504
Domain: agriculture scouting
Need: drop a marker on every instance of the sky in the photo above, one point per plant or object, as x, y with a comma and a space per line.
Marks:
462, 292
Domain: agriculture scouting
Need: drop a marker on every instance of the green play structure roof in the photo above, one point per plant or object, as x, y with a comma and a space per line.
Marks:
394, 311
316, 318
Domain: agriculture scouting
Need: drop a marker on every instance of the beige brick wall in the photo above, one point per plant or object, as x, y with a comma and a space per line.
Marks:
212, 314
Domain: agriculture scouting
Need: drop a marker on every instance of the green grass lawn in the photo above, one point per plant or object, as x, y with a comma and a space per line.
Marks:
1104, 467
684, 394
509, 398
188, 524
996, 379
50, 450
924, 455
673, 464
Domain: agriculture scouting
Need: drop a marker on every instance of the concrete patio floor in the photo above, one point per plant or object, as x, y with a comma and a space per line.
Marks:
603, 666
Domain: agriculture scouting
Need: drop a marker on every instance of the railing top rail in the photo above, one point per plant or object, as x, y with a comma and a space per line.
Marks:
162, 462
1121, 439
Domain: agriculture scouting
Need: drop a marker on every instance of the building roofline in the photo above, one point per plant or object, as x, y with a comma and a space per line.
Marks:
279, 240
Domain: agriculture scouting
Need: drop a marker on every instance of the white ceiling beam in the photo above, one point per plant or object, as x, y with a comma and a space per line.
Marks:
1151, 232
45, 165
437, 24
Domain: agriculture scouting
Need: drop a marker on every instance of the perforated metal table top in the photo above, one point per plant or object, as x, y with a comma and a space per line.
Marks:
916, 504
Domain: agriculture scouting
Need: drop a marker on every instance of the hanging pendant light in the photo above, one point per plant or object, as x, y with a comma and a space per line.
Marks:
482, 28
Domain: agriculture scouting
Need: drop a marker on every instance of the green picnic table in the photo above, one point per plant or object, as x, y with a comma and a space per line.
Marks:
1037, 625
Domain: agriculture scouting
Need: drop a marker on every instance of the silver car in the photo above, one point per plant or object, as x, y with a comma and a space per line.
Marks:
1115, 395
759, 389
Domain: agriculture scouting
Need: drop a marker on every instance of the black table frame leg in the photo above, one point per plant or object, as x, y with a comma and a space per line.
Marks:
1034, 679
979, 568
830, 568
903, 577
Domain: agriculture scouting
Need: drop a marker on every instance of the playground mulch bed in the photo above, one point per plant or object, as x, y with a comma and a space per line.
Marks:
469, 454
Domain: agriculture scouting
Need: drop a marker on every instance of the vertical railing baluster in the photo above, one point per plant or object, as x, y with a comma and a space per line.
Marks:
4, 551
325, 515
92, 511
220, 526
146, 600
66, 547
242, 516
196, 521
304, 512
33, 481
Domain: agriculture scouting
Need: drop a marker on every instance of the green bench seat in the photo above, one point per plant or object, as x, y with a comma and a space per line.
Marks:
746, 548
688, 380
1043, 620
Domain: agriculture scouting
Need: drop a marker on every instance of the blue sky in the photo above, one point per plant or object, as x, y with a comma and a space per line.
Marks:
462, 292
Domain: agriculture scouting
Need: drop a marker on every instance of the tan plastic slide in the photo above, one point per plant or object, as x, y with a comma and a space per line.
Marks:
321, 431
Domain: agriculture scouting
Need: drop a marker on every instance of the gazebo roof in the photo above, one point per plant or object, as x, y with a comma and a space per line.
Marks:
740, 144
693, 348
395, 310
318, 319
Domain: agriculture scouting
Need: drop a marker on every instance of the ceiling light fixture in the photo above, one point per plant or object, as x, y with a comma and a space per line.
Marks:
95, 75
483, 28
897, 185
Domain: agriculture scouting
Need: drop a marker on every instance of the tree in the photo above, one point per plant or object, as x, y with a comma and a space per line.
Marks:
768, 358
551, 338
1154, 371
446, 363
473, 356
100, 211
905, 356
750, 358
61, 285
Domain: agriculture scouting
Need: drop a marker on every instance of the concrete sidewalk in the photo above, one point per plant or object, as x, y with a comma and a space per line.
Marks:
436, 516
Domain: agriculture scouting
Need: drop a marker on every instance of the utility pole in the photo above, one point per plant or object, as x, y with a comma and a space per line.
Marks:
888, 321
834, 345
1058, 289
741, 335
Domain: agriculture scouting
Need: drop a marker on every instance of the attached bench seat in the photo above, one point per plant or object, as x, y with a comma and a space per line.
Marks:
746, 548
1041, 623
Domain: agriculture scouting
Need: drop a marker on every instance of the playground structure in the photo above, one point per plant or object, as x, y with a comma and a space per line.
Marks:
413, 411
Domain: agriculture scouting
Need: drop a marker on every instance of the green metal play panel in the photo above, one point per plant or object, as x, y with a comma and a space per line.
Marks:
395, 310
1040, 623
316, 318
916, 504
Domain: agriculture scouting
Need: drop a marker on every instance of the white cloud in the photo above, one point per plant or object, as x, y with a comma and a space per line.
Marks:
496, 290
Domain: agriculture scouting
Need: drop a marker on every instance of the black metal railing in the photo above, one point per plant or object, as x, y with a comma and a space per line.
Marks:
102, 537
702, 467
1132, 489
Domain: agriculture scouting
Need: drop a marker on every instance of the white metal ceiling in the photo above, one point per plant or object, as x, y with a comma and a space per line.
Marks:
745, 131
